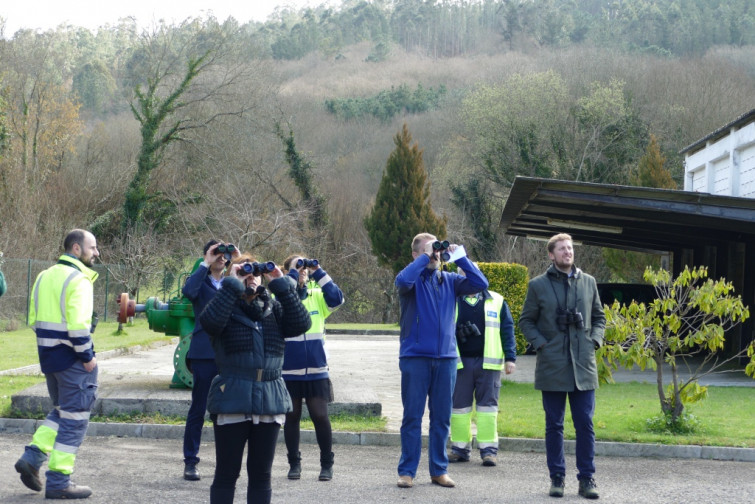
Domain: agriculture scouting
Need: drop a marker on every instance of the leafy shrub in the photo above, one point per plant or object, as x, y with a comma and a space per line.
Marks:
509, 280
665, 423
387, 103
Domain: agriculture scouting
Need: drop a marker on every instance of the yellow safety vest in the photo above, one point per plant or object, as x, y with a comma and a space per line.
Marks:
492, 357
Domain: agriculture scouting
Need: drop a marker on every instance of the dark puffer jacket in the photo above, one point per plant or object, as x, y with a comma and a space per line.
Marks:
248, 339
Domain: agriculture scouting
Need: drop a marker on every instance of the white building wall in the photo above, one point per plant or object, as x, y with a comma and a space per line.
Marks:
725, 167
747, 171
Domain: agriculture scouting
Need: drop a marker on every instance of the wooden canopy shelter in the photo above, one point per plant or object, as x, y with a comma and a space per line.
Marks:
696, 229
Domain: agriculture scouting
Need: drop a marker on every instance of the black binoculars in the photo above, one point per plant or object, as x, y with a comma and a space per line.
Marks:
307, 263
223, 248
259, 291
442, 246
226, 250
566, 318
256, 268
467, 330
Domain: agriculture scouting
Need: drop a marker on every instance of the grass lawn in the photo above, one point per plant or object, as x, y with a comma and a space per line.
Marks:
20, 347
727, 416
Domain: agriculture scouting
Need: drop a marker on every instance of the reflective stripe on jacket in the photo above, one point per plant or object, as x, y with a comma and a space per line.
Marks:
305, 358
493, 351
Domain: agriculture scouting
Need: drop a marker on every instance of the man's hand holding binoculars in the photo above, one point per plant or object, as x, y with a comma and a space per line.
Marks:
227, 251
440, 250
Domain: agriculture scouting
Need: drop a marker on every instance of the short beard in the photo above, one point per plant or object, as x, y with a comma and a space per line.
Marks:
563, 267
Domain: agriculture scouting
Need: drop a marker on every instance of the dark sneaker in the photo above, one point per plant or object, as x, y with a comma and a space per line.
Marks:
191, 473
455, 457
588, 489
557, 486
71, 492
29, 475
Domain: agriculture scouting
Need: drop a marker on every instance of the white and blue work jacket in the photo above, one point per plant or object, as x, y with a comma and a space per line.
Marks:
305, 358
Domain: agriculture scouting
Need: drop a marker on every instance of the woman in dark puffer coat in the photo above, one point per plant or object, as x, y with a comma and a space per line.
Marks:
248, 398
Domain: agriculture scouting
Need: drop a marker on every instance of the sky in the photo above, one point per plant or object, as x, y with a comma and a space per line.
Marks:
47, 14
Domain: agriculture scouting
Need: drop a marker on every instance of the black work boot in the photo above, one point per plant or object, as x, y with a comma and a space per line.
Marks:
557, 486
295, 462
588, 489
29, 475
326, 466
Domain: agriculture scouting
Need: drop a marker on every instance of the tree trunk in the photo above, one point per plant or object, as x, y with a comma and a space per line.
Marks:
665, 406
676, 412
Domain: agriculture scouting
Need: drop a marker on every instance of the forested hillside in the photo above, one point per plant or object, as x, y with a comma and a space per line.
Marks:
275, 135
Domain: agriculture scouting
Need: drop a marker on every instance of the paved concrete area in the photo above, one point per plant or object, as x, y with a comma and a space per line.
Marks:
139, 470
143, 463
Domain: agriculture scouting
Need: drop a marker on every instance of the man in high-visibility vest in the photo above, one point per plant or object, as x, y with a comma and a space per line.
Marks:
60, 313
486, 345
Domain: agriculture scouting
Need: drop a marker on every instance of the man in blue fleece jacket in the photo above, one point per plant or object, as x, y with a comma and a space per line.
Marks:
427, 356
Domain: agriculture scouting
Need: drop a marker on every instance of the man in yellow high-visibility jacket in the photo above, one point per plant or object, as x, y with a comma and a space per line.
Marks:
60, 313
486, 345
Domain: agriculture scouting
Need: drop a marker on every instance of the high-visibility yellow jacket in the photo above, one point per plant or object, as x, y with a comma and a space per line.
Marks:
60, 313
498, 322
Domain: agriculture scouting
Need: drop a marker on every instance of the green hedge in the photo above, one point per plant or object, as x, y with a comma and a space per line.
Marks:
510, 280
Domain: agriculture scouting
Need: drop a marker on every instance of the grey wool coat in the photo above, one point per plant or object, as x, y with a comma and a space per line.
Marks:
566, 355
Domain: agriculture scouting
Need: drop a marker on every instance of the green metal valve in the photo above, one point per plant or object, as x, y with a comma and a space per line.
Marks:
174, 318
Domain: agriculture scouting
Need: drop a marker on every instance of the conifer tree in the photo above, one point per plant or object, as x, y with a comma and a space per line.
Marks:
626, 265
402, 206
651, 171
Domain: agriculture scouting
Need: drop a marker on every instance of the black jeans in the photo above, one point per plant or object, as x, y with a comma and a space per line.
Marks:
230, 440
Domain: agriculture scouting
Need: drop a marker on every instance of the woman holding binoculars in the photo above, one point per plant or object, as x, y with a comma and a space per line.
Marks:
248, 398
305, 366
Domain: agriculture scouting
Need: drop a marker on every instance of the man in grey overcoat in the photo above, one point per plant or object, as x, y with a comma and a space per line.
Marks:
563, 320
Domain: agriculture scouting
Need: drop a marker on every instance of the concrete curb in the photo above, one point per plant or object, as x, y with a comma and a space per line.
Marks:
602, 448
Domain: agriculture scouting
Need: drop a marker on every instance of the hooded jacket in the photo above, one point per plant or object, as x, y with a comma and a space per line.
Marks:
565, 353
